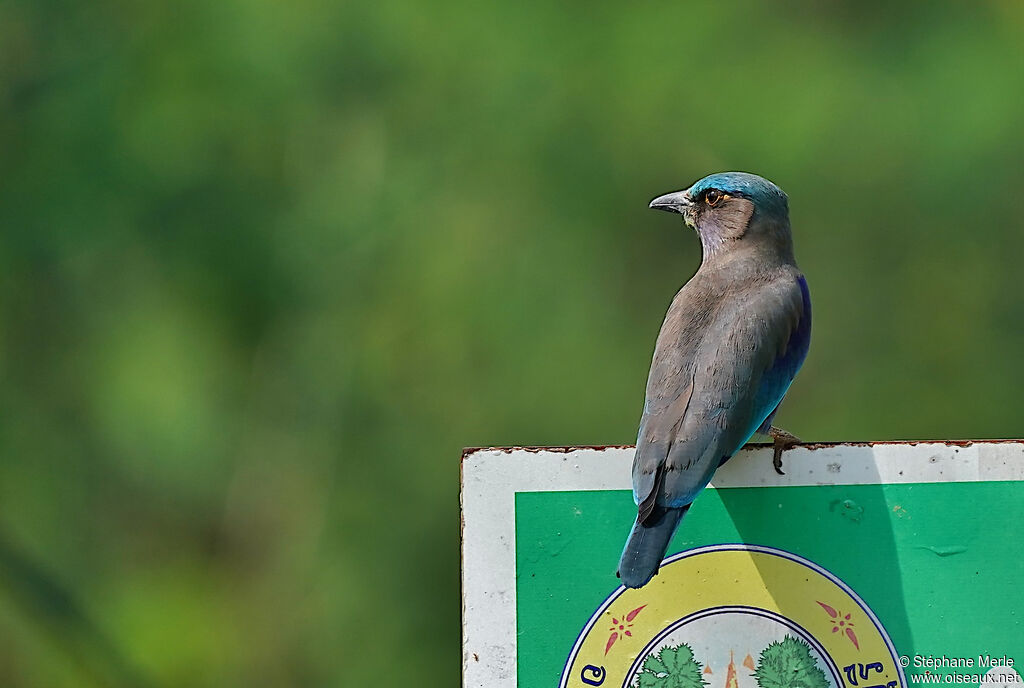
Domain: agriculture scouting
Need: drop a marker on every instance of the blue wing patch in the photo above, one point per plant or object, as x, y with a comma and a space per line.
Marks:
777, 379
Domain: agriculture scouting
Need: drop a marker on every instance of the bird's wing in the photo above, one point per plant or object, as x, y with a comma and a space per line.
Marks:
776, 380
704, 396
669, 385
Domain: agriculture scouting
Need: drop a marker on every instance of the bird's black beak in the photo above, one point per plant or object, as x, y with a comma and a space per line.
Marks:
675, 202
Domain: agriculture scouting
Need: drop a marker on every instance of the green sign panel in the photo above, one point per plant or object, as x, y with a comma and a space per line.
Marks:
869, 566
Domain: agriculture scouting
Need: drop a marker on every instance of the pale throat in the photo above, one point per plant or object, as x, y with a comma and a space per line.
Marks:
713, 244
769, 245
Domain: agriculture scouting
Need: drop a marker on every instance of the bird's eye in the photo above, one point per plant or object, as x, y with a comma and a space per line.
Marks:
712, 197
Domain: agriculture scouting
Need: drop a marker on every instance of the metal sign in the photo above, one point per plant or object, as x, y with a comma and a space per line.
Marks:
875, 565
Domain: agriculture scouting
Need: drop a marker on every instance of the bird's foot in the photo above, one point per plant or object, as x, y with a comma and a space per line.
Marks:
783, 441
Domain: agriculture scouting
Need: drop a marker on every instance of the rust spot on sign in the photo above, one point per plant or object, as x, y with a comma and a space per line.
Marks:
810, 446
551, 450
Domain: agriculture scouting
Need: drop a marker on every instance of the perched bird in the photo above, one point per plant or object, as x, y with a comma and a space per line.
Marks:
733, 339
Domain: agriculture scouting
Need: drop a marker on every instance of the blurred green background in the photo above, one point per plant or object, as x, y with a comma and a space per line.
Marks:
266, 267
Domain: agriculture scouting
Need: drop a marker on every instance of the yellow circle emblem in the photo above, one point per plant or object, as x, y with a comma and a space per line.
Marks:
735, 616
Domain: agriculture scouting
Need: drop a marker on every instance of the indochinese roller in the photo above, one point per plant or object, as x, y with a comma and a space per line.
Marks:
732, 341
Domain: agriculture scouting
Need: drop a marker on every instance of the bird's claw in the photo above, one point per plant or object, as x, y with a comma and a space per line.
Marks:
782, 441
777, 458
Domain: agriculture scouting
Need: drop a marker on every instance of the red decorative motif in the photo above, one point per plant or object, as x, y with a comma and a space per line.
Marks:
841, 623
620, 628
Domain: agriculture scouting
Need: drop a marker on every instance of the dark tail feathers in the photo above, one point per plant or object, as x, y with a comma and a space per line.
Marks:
647, 544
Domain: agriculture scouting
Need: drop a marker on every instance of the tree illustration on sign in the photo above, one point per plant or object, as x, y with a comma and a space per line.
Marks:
788, 663
671, 667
